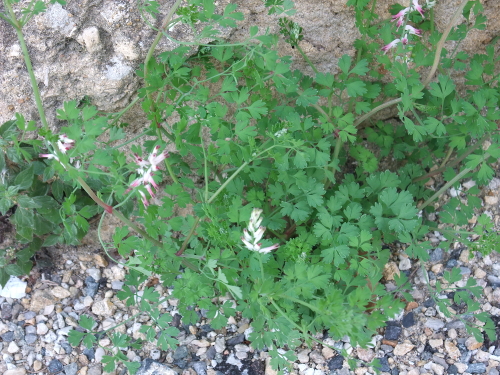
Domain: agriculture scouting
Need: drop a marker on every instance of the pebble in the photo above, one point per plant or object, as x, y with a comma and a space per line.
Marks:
476, 368
408, 320
41, 329
366, 355
303, 356
335, 363
392, 331
434, 324
15, 371
55, 366
436, 255
91, 286
71, 369
104, 308
472, 344
60, 292
403, 348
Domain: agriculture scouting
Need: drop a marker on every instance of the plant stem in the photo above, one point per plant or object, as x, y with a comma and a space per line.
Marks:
441, 42
448, 184
158, 38
34, 85
454, 162
307, 59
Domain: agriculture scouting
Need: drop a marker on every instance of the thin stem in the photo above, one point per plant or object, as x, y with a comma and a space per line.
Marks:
307, 59
159, 35
447, 157
34, 85
441, 42
454, 162
448, 184
123, 111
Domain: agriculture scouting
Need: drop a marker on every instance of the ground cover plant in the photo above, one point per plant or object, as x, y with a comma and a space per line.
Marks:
290, 207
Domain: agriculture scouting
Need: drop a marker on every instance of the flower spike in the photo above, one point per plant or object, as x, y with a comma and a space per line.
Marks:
254, 233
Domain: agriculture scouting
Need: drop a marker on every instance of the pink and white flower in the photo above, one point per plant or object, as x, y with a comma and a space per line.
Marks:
64, 144
392, 44
254, 233
418, 8
400, 16
146, 172
411, 30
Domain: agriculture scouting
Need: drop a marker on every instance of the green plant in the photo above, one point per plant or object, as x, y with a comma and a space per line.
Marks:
303, 156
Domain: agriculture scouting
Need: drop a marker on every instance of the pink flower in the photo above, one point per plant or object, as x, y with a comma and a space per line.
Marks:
400, 16
418, 8
254, 233
64, 144
390, 45
413, 31
146, 172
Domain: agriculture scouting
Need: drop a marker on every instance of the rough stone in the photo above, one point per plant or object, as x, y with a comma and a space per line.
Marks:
60, 292
55, 366
41, 299
336, 363
104, 308
403, 348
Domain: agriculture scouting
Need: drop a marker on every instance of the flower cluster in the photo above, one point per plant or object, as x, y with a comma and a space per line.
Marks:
254, 232
64, 144
408, 30
146, 171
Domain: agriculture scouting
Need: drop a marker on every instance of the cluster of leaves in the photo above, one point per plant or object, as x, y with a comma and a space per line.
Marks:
35, 200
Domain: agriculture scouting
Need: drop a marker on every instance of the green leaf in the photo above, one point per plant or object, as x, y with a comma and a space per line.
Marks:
356, 88
24, 179
308, 97
87, 322
337, 255
89, 112
361, 68
445, 87
75, 337
345, 63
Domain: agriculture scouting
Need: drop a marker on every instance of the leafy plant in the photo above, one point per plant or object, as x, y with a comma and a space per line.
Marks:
288, 203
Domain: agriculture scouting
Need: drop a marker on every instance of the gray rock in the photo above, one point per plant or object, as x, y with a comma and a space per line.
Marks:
392, 332
335, 363
91, 286
494, 281
200, 368
384, 364
456, 324
71, 369
181, 352
434, 324
55, 366
89, 353
7, 336
30, 338
6, 313
238, 339
211, 352
150, 367
436, 255
476, 368
67, 347
465, 271
29, 315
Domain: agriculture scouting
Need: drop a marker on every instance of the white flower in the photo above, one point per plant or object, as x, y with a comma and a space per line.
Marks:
146, 171
254, 233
